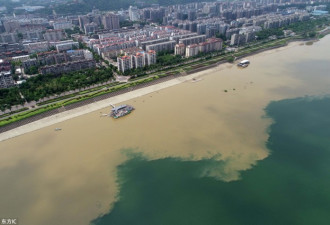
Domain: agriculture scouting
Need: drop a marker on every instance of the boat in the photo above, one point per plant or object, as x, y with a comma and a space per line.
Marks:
244, 63
120, 111
196, 79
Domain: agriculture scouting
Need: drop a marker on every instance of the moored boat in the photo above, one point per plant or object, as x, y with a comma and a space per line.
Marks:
120, 111
244, 63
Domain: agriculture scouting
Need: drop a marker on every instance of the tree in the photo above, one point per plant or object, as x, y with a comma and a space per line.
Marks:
20, 36
222, 36
13, 68
312, 34
81, 45
230, 59
15, 77
32, 70
33, 56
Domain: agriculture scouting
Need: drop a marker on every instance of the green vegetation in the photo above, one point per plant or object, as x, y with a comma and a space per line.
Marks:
46, 85
67, 9
31, 70
126, 23
56, 105
222, 36
75, 30
299, 6
168, 59
87, 6
10, 4
308, 28
96, 56
13, 112
264, 34
10, 97
304, 28
27, 114
77, 94
230, 58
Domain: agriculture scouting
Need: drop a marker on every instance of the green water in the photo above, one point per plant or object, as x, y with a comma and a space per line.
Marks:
290, 187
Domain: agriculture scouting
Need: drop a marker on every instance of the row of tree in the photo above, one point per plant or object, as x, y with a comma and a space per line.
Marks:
42, 86
264, 34
10, 97
84, 6
308, 26
305, 28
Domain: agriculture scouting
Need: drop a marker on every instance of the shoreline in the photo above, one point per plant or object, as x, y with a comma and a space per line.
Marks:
82, 110
162, 83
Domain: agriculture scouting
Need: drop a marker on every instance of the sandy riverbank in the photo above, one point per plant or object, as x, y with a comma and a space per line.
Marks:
48, 121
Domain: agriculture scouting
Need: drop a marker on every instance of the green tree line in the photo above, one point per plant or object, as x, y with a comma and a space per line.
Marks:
88, 5
10, 97
42, 86
46, 85
305, 28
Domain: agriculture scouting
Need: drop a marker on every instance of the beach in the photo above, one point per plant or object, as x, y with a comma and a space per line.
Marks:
70, 176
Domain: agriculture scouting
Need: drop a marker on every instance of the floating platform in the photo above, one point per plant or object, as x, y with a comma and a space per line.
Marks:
120, 111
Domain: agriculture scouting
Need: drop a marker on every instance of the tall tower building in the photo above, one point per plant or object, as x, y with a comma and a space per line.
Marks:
133, 13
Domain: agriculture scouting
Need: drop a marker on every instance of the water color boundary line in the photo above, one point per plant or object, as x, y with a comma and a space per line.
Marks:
76, 105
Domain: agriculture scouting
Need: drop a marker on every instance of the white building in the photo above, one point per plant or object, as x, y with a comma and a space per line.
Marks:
88, 55
124, 63
36, 47
6, 80
133, 13
62, 25
64, 46
192, 50
137, 60
20, 58
151, 57
179, 49
163, 46
54, 35
193, 40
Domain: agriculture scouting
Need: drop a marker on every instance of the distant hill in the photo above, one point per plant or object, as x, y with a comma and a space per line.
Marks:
84, 6
118, 4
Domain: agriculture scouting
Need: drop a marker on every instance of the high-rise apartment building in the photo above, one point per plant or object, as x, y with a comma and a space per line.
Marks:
137, 60
133, 13
110, 21
54, 35
179, 49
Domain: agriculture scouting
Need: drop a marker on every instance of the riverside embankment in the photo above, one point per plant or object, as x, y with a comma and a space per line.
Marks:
67, 108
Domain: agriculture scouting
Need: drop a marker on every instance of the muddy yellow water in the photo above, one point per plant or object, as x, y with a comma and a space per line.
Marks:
69, 176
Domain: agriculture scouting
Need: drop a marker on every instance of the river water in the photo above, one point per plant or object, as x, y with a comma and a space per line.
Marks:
218, 123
